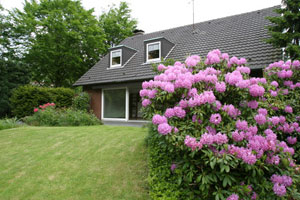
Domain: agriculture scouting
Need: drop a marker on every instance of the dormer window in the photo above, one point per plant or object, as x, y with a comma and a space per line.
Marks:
153, 52
116, 58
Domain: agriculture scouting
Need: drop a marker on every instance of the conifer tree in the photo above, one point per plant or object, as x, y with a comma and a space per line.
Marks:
286, 30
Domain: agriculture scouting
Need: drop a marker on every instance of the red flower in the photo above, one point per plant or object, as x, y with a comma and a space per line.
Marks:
35, 109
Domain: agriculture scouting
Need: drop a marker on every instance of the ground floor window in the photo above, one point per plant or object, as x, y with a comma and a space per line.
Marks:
135, 106
114, 103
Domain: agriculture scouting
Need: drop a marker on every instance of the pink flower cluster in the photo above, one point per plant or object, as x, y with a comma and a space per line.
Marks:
233, 197
280, 184
44, 106
284, 70
206, 139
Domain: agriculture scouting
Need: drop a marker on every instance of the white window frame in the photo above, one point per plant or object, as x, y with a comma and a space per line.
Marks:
155, 59
126, 105
118, 65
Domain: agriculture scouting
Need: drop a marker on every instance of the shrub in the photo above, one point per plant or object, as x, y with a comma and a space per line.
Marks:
221, 129
24, 98
81, 101
9, 123
49, 116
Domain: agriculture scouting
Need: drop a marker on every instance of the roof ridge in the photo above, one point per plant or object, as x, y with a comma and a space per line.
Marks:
204, 21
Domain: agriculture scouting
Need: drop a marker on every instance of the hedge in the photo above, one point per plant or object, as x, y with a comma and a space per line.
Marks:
25, 98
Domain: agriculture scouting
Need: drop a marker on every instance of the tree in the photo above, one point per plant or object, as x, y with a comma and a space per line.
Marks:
61, 40
117, 24
286, 30
13, 72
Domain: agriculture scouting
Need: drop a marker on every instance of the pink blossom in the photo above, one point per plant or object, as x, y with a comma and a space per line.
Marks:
242, 125
274, 83
146, 102
179, 112
262, 111
215, 119
35, 109
164, 128
256, 90
233, 197
254, 196
273, 93
158, 119
192, 61
169, 88
173, 167
260, 119
152, 94
169, 113
279, 190
253, 104
225, 56
275, 120
161, 67
144, 92
243, 84
220, 87
288, 109
233, 78
236, 136
291, 140
231, 111
245, 70
243, 61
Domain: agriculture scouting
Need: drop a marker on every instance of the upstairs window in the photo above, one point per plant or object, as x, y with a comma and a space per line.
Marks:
116, 58
153, 52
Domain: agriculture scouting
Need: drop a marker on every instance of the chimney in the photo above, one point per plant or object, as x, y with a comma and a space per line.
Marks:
138, 32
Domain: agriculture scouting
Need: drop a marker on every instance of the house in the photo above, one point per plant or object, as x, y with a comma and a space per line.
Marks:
114, 82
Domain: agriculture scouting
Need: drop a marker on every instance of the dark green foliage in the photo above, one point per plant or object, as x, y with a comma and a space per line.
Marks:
25, 98
12, 75
12, 71
286, 30
81, 101
62, 117
162, 182
117, 24
61, 38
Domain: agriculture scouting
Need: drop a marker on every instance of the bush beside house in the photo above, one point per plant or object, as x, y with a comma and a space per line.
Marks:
221, 134
48, 115
25, 98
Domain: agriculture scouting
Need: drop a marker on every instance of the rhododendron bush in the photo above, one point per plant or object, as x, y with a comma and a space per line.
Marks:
235, 136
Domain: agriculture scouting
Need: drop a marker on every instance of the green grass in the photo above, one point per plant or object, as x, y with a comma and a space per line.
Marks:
95, 162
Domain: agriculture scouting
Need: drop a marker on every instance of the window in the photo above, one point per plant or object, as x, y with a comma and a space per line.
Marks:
153, 52
116, 58
114, 103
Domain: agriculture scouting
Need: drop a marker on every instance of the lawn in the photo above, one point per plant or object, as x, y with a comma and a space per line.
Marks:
96, 162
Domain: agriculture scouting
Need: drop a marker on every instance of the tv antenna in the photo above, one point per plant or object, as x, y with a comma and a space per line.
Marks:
193, 4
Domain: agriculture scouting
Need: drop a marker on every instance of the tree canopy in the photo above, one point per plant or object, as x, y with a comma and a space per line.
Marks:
62, 40
286, 30
117, 24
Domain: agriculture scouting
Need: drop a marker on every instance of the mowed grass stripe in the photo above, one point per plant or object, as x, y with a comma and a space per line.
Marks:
95, 162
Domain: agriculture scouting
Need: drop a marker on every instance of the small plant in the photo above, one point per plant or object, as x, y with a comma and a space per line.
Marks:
9, 123
81, 101
48, 115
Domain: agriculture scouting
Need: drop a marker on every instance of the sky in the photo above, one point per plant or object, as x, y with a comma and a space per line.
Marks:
156, 15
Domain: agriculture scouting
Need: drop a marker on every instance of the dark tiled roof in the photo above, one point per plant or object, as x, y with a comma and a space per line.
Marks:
239, 35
